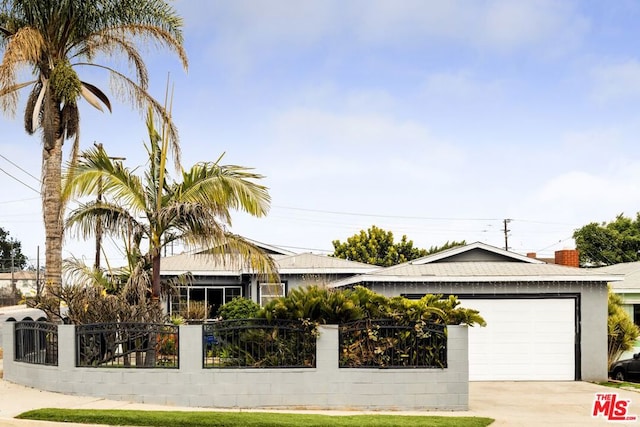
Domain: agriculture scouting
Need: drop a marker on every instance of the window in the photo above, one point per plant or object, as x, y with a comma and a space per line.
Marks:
636, 314
271, 291
231, 293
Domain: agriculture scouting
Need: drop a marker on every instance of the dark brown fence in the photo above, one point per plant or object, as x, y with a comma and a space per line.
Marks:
36, 342
387, 344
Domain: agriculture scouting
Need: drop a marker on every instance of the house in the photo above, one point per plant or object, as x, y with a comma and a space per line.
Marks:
25, 282
544, 321
629, 288
629, 291
217, 279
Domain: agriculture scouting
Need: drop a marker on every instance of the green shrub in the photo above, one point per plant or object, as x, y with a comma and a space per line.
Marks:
197, 310
239, 308
335, 306
621, 331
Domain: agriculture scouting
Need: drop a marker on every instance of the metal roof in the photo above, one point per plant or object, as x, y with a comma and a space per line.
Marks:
631, 272
506, 267
233, 265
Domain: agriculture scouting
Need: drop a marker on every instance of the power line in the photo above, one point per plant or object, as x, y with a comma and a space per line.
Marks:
20, 200
28, 173
21, 182
361, 214
385, 216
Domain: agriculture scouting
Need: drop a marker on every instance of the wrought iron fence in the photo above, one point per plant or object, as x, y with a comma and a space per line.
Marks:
36, 343
258, 343
9, 300
127, 345
386, 344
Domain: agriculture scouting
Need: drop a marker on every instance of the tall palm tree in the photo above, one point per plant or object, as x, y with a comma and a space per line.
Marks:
54, 38
158, 210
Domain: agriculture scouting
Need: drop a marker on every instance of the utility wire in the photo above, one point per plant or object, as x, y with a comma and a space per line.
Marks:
20, 200
386, 216
21, 182
28, 173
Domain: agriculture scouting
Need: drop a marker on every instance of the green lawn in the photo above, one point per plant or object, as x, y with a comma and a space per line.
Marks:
241, 419
620, 384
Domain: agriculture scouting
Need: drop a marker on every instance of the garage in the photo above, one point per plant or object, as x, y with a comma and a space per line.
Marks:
525, 339
546, 321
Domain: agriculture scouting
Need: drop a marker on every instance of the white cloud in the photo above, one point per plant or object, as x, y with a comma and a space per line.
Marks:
461, 84
244, 31
616, 81
364, 150
511, 25
580, 197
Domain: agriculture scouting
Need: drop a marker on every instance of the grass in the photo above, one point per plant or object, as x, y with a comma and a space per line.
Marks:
242, 419
620, 384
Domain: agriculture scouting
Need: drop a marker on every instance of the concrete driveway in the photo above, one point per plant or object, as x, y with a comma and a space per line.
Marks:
509, 403
545, 403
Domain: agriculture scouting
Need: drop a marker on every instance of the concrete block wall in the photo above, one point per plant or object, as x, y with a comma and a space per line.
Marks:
324, 387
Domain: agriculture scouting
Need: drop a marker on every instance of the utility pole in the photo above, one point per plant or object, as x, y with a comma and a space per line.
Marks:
96, 264
506, 233
38, 287
13, 279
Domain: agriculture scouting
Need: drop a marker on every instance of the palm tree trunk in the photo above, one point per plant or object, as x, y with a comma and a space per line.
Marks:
52, 205
155, 276
52, 212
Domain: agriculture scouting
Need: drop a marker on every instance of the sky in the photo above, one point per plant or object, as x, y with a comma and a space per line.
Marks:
435, 120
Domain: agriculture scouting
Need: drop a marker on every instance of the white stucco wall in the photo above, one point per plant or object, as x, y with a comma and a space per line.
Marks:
325, 387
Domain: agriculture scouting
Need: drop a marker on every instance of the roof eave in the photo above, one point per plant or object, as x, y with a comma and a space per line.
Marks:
472, 279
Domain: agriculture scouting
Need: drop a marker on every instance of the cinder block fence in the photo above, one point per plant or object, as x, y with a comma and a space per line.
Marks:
325, 386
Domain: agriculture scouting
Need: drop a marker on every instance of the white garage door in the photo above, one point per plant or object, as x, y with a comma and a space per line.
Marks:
525, 339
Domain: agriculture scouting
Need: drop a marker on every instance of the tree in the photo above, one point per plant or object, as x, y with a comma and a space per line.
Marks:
154, 208
376, 246
54, 39
621, 331
10, 253
609, 243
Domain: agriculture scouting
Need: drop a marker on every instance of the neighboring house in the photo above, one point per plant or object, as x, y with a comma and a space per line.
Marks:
544, 321
216, 279
25, 282
629, 291
629, 288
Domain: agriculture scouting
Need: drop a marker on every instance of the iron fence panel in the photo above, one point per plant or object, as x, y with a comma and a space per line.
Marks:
36, 343
258, 343
127, 345
385, 343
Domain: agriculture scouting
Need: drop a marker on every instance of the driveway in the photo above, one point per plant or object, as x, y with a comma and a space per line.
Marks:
545, 403
509, 403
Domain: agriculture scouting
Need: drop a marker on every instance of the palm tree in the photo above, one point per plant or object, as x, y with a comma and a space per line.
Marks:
54, 39
158, 210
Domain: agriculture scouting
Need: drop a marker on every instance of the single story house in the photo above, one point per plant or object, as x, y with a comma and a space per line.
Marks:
216, 280
629, 291
23, 280
544, 321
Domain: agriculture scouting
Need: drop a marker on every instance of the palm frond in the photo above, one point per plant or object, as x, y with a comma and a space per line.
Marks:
114, 45
115, 220
92, 95
229, 186
24, 47
129, 91
7, 89
95, 170
256, 259
150, 33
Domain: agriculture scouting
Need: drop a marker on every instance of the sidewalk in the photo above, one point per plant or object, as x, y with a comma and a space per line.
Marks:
509, 403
